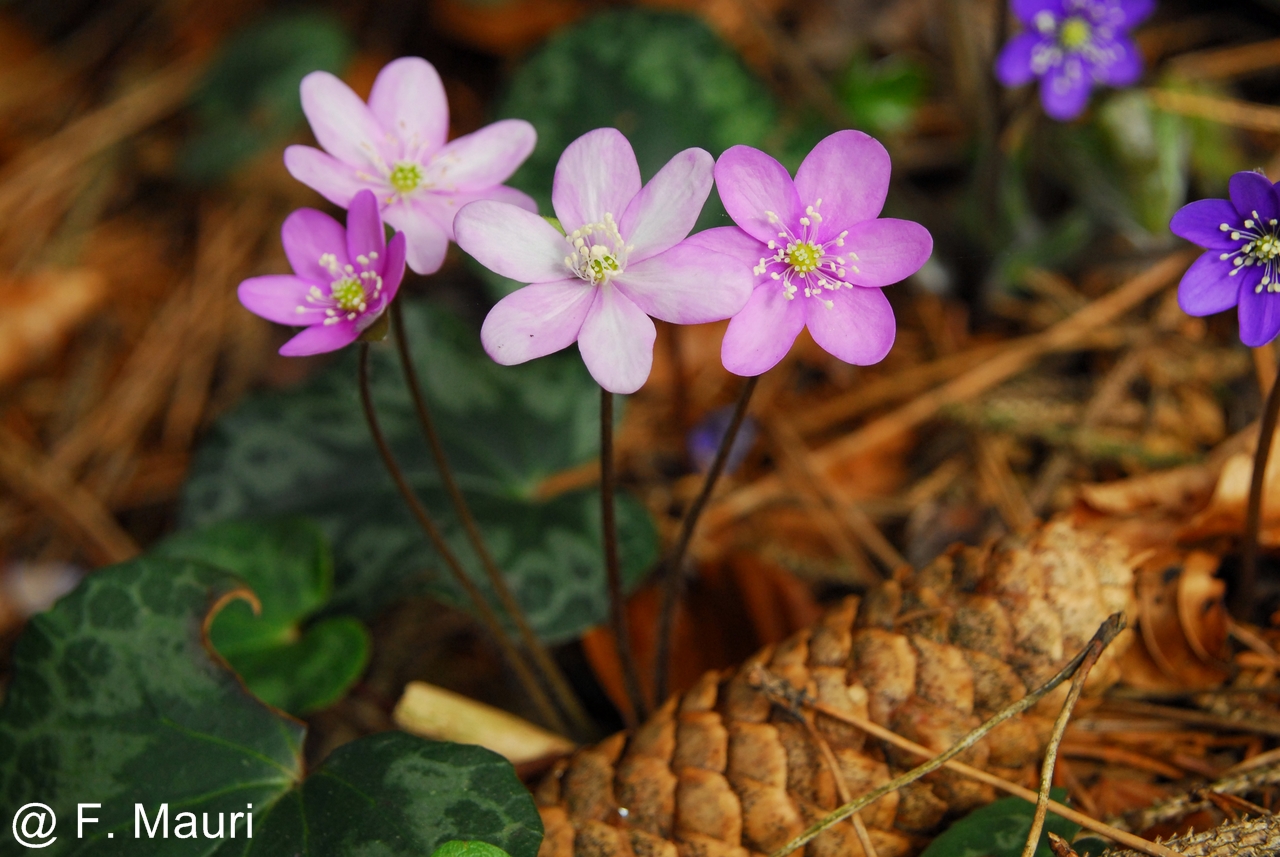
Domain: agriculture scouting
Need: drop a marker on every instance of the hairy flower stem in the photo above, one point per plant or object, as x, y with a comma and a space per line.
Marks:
1092, 653
1242, 602
671, 567
550, 716
546, 666
613, 572
1105, 634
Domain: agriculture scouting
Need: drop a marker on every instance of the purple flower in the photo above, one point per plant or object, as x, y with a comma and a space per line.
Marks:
396, 146
820, 256
1243, 240
618, 260
1070, 45
343, 278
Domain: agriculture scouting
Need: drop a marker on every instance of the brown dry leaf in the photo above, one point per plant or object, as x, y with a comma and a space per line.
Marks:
1167, 660
443, 715
38, 312
1225, 512
505, 29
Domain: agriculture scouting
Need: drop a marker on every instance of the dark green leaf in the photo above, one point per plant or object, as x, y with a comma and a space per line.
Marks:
505, 429
292, 664
115, 700
249, 98
1000, 830
459, 848
882, 97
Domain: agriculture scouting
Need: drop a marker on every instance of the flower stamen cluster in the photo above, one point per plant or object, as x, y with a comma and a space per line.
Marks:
802, 258
1261, 247
594, 262
350, 292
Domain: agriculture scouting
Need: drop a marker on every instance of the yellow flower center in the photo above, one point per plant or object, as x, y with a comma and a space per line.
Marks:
348, 294
406, 177
804, 256
1075, 33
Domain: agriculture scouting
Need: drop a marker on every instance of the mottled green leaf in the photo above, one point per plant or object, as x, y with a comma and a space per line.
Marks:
307, 452
115, 700
294, 664
1000, 830
249, 97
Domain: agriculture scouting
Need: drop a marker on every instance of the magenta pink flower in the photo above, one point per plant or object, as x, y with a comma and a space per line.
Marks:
343, 278
396, 146
619, 260
820, 256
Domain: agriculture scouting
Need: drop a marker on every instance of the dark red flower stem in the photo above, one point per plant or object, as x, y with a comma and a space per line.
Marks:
548, 712
546, 666
671, 567
1242, 601
613, 571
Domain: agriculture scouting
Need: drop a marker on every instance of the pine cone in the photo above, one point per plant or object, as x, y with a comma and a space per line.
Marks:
719, 771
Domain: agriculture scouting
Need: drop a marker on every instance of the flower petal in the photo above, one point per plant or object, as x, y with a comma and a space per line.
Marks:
1122, 63
885, 251
731, 241
408, 99
1064, 90
596, 174
1013, 66
664, 211
277, 297
1259, 313
535, 321
325, 174
482, 159
858, 327
343, 124
1207, 286
320, 338
307, 235
1026, 10
365, 234
688, 285
1199, 222
849, 172
512, 242
762, 333
616, 341
393, 267
752, 183
1251, 192
1134, 11
426, 239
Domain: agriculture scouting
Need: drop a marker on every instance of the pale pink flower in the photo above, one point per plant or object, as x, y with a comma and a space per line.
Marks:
396, 146
619, 260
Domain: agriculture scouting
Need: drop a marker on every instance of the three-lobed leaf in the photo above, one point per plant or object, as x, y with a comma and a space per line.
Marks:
115, 700
288, 661
505, 428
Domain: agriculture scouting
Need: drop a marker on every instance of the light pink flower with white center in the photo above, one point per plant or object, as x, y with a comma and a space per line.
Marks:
620, 259
396, 146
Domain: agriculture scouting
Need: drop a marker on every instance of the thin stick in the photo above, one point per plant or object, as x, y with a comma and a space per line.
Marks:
1242, 603
774, 687
543, 662
1106, 633
551, 717
613, 573
671, 568
1051, 751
